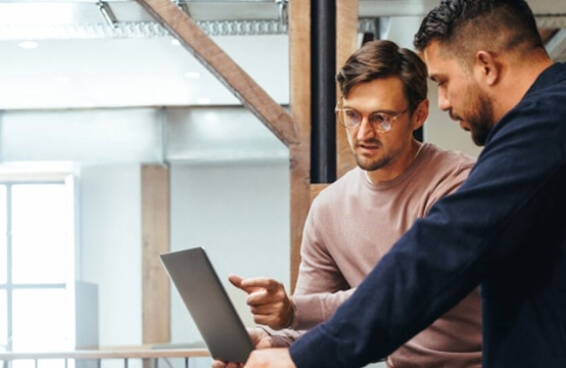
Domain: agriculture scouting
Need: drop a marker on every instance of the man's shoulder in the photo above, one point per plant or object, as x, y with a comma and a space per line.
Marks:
346, 183
444, 159
440, 172
442, 169
446, 154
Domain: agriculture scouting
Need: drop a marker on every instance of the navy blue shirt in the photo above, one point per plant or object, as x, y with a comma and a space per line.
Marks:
504, 229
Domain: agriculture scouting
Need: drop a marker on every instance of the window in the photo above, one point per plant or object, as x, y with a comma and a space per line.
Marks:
36, 263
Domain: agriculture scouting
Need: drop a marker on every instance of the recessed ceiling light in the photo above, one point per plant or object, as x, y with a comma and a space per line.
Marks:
192, 75
28, 45
203, 100
175, 42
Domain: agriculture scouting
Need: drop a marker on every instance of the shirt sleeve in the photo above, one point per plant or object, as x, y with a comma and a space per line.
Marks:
444, 255
320, 285
320, 288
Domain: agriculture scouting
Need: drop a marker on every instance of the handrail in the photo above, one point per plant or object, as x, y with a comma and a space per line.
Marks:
111, 353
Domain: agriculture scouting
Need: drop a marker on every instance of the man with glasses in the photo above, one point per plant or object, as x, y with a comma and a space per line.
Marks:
503, 229
354, 221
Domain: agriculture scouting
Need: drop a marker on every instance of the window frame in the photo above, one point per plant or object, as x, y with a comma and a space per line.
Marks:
9, 286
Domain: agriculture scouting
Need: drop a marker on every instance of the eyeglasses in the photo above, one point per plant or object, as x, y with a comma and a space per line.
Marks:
382, 121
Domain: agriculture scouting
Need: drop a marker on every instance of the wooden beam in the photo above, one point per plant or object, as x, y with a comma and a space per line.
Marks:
252, 96
346, 44
299, 152
346, 30
156, 316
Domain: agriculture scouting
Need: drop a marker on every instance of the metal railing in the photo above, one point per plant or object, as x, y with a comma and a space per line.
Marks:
149, 357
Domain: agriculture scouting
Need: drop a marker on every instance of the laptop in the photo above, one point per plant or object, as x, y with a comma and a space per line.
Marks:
208, 303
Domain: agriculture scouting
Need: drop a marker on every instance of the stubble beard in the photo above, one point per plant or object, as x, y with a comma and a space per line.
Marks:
481, 122
372, 164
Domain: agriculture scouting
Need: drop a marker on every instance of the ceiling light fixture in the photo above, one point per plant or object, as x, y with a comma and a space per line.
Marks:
107, 13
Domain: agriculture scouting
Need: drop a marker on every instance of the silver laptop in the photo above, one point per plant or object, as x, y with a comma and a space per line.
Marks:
210, 307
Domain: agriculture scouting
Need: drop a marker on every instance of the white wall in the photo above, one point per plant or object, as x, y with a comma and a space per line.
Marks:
240, 214
110, 248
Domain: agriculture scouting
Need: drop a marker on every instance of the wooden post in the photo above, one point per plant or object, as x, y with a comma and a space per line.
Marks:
299, 153
346, 44
302, 192
156, 303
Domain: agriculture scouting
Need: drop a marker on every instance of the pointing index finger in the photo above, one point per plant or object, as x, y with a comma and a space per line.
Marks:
243, 284
261, 282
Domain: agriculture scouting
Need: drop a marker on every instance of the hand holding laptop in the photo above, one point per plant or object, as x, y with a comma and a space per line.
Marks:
270, 306
215, 316
260, 338
204, 296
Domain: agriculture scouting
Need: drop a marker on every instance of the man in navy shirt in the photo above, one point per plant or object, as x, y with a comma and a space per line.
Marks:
504, 229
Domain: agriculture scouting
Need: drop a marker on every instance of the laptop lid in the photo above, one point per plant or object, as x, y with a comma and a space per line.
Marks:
208, 303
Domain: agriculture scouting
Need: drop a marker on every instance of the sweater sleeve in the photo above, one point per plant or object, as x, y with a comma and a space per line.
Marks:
312, 309
518, 176
320, 284
320, 288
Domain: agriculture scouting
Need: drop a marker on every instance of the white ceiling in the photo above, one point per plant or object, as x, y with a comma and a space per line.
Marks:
130, 72
81, 61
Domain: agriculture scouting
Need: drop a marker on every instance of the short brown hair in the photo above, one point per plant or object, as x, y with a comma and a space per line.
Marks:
383, 59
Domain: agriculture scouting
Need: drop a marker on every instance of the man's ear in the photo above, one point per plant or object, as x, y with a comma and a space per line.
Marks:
420, 114
487, 70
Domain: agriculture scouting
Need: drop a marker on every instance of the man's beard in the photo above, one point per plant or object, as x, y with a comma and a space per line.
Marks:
374, 164
481, 119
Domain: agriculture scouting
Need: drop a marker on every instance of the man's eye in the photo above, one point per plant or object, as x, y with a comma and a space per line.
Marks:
378, 118
352, 114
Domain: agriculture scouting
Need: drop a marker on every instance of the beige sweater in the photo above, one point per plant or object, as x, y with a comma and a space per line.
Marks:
352, 224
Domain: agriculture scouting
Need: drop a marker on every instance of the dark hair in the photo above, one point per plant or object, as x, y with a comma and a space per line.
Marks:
466, 26
382, 59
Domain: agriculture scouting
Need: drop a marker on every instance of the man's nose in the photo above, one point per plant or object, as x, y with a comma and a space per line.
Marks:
443, 102
365, 129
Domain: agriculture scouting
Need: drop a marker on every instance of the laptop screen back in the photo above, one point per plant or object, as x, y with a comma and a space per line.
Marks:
208, 303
